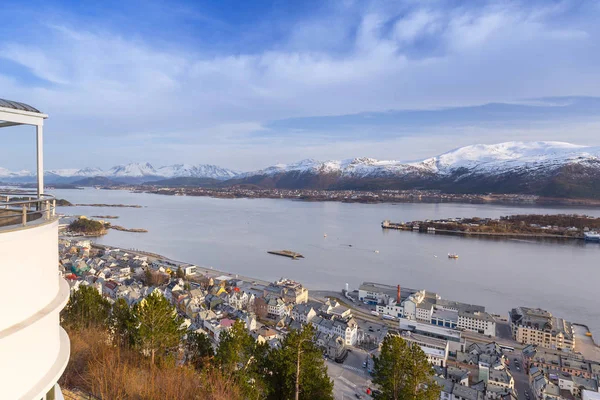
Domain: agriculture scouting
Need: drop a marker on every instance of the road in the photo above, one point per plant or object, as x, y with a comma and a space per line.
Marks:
350, 378
520, 376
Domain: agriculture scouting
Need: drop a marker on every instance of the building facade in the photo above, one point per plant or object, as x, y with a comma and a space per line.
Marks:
540, 327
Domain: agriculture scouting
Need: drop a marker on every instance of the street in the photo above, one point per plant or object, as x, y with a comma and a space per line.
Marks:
350, 378
519, 375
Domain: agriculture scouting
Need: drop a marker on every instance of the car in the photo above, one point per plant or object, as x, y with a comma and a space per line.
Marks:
364, 365
518, 369
526, 394
358, 396
371, 330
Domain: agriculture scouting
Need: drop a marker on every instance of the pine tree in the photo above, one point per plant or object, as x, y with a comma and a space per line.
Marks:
199, 350
180, 274
159, 328
86, 308
123, 323
240, 357
403, 372
297, 370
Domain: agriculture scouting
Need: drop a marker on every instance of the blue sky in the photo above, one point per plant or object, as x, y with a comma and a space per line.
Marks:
249, 84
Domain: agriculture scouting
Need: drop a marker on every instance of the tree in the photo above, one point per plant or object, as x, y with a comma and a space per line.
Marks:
199, 350
86, 308
159, 326
180, 274
123, 323
297, 370
239, 356
403, 372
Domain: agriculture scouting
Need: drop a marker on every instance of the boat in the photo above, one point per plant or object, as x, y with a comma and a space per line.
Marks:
452, 255
324, 235
591, 236
377, 251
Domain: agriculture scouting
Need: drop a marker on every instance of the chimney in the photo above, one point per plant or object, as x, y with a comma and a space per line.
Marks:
398, 300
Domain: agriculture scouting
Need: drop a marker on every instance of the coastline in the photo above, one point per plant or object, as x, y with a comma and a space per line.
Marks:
589, 345
366, 196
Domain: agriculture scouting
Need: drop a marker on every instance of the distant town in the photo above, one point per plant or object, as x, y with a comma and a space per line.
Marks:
560, 226
530, 353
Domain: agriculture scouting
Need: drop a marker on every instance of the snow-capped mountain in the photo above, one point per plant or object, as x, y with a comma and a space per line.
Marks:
546, 168
127, 173
501, 157
66, 173
132, 170
196, 171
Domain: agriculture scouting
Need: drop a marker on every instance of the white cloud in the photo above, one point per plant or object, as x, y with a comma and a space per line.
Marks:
106, 85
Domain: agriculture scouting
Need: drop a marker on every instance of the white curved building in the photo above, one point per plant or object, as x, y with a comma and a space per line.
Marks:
34, 349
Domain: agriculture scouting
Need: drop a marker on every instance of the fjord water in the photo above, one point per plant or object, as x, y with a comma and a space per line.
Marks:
234, 235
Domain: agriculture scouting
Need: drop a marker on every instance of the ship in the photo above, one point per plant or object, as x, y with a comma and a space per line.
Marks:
452, 255
591, 236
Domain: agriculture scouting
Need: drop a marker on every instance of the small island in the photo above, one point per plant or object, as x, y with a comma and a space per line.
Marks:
109, 205
286, 253
120, 228
63, 203
83, 226
565, 226
86, 227
105, 216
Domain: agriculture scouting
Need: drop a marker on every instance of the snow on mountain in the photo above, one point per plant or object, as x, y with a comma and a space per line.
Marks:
349, 168
501, 157
5, 173
132, 170
196, 171
84, 172
479, 158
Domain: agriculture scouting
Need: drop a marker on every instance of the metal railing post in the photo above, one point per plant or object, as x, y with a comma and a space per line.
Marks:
47, 206
24, 221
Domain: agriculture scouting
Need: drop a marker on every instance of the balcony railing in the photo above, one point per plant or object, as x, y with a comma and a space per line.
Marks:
21, 208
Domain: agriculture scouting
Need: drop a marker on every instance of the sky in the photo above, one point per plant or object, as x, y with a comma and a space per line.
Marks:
248, 84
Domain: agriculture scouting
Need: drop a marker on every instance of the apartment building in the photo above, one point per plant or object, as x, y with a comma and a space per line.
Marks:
540, 327
477, 321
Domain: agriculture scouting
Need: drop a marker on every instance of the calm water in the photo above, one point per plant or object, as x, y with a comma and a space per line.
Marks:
234, 235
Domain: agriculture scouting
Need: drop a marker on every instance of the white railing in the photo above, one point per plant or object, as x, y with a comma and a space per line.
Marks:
19, 208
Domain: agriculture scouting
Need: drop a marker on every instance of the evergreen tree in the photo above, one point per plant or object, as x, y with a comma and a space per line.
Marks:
199, 350
240, 357
403, 372
297, 369
123, 323
159, 329
180, 274
86, 308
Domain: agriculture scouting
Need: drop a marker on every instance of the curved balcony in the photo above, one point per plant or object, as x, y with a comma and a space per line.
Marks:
21, 208
34, 349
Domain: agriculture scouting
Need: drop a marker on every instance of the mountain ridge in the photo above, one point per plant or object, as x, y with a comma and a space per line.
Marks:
543, 168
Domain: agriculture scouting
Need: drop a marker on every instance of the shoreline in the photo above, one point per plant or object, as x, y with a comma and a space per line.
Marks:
367, 197
317, 293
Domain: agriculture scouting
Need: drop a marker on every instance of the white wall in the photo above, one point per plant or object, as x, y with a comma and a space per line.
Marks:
34, 349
